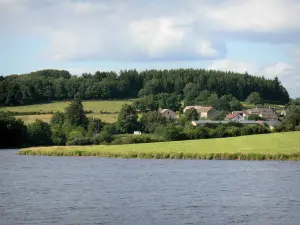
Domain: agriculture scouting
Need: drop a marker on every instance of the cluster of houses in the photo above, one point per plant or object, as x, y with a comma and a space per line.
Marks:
206, 113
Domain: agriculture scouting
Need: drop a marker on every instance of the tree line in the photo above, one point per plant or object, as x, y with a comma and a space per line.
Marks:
188, 84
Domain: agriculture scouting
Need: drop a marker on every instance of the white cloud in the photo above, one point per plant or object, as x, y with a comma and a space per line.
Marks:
237, 66
145, 30
279, 69
256, 15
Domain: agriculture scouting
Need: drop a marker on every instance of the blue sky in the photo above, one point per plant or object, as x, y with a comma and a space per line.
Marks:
261, 37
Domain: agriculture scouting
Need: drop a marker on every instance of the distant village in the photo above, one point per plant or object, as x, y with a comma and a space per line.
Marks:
268, 116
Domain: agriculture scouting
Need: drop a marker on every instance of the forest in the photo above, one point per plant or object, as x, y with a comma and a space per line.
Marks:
54, 85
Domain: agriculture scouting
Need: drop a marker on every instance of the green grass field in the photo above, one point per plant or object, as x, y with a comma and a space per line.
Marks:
247, 105
276, 146
95, 106
108, 118
113, 107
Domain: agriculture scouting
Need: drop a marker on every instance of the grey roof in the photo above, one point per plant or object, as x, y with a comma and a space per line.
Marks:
201, 122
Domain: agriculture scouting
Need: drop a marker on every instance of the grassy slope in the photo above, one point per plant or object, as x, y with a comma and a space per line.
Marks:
268, 146
247, 105
95, 106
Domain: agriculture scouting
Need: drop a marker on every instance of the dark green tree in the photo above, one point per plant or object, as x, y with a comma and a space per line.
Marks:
255, 98
13, 131
191, 114
39, 133
127, 119
57, 119
151, 120
75, 115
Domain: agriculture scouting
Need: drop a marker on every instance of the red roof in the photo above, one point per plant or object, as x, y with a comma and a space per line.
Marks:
231, 116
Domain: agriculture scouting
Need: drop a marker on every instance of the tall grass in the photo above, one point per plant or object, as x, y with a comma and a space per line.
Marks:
163, 155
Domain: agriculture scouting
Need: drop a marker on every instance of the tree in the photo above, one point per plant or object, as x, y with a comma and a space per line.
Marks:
169, 101
39, 133
235, 105
57, 119
291, 121
170, 132
75, 115
94, 127
13, 131
203, 97
255, 98
127, 119
220, 116
151, 120
46, 85
295, 101
191, 114
58, 136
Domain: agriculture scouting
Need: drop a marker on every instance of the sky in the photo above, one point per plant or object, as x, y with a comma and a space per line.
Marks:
260, 37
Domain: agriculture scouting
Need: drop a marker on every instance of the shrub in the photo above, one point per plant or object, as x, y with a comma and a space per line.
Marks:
78, 132
13, 131
81, 141
145, 138
39, 133
57, 119
58, 136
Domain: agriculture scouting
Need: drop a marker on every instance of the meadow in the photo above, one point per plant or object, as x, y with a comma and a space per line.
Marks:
95, 106
247, 105
276, 146
109, 110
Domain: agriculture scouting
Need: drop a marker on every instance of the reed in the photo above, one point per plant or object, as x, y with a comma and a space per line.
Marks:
163, 155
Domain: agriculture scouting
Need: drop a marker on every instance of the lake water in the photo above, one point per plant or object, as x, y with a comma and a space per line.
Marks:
87, 190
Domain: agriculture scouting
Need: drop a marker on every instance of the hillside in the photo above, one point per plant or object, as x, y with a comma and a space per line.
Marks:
281, 146
57, 85
107, 111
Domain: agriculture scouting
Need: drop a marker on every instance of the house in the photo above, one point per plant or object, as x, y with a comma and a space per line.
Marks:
242, 113
245, 122
137, 132
266, 113
234, 117
168, 113
204, 112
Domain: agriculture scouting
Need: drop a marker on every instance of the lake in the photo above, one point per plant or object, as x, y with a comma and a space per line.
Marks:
89, 190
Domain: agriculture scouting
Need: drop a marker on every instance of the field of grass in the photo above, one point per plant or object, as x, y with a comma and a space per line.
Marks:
108, 118
276, 146
31, 118
247, 105
95, 106
112, 107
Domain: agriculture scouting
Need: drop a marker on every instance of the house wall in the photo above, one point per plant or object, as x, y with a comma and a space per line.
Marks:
203, 115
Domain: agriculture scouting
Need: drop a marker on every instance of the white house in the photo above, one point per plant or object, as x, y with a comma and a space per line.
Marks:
206, 112
234, 117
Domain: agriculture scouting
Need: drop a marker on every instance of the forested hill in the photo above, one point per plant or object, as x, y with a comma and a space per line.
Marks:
48, 85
